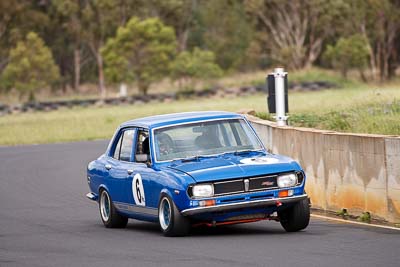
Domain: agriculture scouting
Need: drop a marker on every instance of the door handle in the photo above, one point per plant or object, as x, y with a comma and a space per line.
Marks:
108, 166
130, 172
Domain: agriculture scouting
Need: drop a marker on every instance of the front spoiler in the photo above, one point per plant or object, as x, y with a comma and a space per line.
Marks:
242, 205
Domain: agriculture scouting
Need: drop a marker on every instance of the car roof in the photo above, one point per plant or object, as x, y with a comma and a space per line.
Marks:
176, 118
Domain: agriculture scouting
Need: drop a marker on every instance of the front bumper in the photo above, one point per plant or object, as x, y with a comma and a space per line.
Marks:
92, 196
243, 205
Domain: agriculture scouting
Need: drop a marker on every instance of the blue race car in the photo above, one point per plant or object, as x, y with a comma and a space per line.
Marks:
196, 168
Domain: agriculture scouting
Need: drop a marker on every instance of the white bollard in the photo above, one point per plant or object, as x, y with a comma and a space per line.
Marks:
123, 90
280, 117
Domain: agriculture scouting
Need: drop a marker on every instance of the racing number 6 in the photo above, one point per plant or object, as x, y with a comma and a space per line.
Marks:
138, 191
139, 195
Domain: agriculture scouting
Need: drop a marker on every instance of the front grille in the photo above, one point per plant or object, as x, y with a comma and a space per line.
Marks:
260, 183
238, 186
228, 187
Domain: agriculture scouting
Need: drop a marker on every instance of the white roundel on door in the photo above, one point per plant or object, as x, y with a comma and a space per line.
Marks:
138, 191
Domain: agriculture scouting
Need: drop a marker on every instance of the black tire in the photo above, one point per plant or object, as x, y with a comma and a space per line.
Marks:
176, 225
297, 217
110, 217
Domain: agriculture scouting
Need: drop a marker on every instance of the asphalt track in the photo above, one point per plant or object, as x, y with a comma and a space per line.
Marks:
45, 220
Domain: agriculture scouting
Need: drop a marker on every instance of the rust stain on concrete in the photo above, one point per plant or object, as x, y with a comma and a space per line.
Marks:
359, 172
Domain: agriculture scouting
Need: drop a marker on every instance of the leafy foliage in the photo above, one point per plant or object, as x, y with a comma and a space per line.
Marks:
338, 121
369, 117
100, 20
365, 217
343, 213
296, 29
31, 66
265, 116
348, 53
197, 64
243, 35
378, 22
224, 28
17, 19
141, 51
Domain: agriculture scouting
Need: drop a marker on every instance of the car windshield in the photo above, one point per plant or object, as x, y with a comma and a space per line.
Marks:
204, 139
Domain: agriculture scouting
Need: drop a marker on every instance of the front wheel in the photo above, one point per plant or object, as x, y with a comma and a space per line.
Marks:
110, 217
297, 217
172, 223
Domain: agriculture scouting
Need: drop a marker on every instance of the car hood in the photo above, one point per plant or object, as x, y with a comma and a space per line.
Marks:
221, 168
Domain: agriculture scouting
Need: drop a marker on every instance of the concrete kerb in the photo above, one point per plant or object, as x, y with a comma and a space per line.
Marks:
359, 172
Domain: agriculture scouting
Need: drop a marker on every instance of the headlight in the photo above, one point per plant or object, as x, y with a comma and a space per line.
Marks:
287, 180
203, 190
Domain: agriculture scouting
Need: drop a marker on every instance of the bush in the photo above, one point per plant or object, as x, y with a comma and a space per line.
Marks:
265, 116
141, 51
333, 120
348, 53
190, 66
31, 66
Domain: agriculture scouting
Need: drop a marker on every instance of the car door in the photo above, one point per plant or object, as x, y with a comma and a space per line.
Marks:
118, 165
143, 192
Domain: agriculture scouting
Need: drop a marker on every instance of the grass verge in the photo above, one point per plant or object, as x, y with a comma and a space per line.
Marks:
100, 122
356, 108
378, 118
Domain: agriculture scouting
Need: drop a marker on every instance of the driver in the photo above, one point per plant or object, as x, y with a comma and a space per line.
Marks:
165, 143
209, 138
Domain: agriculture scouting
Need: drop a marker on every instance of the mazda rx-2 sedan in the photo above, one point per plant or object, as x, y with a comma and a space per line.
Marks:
198, 168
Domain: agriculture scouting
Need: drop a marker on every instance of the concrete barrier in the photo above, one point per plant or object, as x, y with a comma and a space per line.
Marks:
359, 172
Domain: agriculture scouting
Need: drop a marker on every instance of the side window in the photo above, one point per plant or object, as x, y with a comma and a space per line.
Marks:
118, 148
142, 144
126, 145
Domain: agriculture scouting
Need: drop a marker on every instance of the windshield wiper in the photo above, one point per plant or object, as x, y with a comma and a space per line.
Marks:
241, 152
199, 157
196, 158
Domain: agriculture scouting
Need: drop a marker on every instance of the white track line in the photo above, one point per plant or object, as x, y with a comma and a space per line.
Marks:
358, 223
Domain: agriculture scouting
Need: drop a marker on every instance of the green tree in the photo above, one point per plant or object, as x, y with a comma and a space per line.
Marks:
178, 14
222, 27
198, 64
296, 29
347, 53
71, 13
99, 21
378, 22
17, 19
31, 66
141, 51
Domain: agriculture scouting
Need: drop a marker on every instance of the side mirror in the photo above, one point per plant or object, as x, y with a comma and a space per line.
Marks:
142, 158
